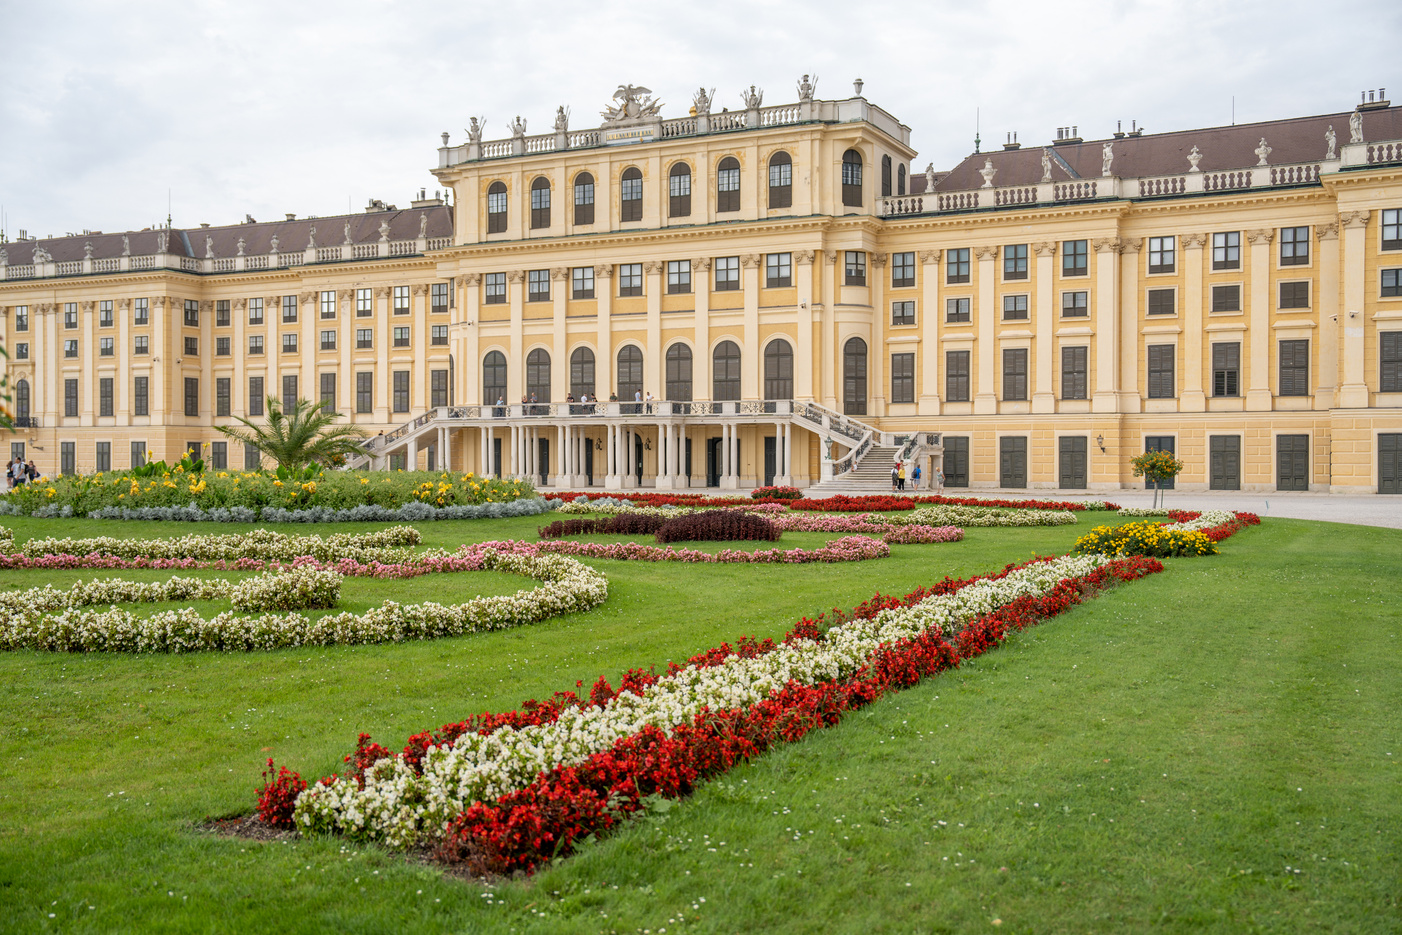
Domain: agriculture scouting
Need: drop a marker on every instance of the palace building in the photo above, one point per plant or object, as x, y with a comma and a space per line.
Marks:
768, 294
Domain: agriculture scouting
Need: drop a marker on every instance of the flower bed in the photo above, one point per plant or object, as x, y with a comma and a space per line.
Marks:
413, 512
716, 526
846, 549
881, 503
1191, 533
968, 516
914, 534
776, 493
395, 542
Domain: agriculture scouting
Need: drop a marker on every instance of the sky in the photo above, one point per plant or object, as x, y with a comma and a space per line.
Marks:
313, 108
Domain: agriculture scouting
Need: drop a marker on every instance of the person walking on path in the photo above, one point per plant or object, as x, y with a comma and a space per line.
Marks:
895, 467
915, 478
939, 480
900, 477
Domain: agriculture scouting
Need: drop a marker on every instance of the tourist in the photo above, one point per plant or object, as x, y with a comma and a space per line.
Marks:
31, 473
10, 471
939, 480
900, 476
915, 477
895, 468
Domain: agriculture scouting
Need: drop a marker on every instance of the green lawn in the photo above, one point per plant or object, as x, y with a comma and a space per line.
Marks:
1153, 760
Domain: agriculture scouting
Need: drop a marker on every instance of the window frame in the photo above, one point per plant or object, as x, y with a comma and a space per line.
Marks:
538, 285
289, 309
1226, 250
780, 195
678, 277
679, 190
1075, 258
1078, 304
1390, 361
902, 377
1156, 297
493, 288
400, 390
1225, 357
540, 203
1391, 224
958, 368
1293, 295
327, 304
903, 270
630, 280
1015, 373
328, 339
578, 275
364, 339
438, 335
498, 207
729, 266
289, 342
1294, 246
1075, 371
958, 310
1293, 370
902, 312
727, 185
852, 163
583, 199
1017, 307
400, 337
957, 266
630, 195
1230, 293
1164, 250
364, 392
364, 303
1161, 371
854, 268
778, 270
1015, 262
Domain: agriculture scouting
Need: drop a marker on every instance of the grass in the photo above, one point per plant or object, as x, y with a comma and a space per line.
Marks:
1152, 760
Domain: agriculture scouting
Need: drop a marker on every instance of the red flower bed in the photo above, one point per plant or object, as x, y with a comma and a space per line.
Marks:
627, 524
1223, 531
881, 503
776, 493
658, 499
522, 830
716, 526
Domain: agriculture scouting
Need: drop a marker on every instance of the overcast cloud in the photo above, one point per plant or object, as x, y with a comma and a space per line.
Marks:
306, 107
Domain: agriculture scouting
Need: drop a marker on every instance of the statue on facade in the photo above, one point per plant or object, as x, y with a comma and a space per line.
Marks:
1355, 127
42, 256
423, 226
384, 231
634, 102
701, 100
1262, 151
1194, 158
1332, 140
273, 246
752, 98
517, 127
562, 119
242, 244
1107, 156
311, 238
208, 247
348, 236
474, 131
126, 245
806, 89
1046, 164
930, 177
988, 172
87, 251
162, 241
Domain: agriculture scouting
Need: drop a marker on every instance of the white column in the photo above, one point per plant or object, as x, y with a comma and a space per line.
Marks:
1104, 397
411, 456
1353, 391
611, 437
664, 456
985, 314
1258, 336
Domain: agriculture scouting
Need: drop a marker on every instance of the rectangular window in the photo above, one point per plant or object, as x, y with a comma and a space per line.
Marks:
902, 313
70, 314
494, 289
1226, 368
255, 344
902, 378
364, 303
289, 308
956, 265
22, 317
1162, 358
364, 392
138, 454
219, 455
1075, 304
105, 347
1390, 362
630, 279
1295, 294
1294, 246
328, 303
22, 350
289, 343
1163, 302
582, 280
255, 311
438, 298
401, 300
956, 461
1163, 254
1226, 250
140, 397
401, 390
778, 269
1075, 258
1226, 298
289, 392
192, 397
328, 340
222, 392
104, 314
538, 285
1074, 369
141, 315
1391, 283
678, 276
401, 337
328, 392
1015, 261
1392, 229
856, 268
255, 396
252, 458
70, 348
192, 347
104, 396
957, 310
223, 317
1014, 308
438, 388
438, 335
1014, 373
192, 313
902, 270
68, 458
102, 456
727, 273
364, 339
1295, 368
956, 376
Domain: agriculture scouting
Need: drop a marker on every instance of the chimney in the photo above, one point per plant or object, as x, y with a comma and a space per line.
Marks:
291, 217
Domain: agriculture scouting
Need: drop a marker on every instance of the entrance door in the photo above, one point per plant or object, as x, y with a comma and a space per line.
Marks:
432, 456
543, 459
1012, 461
1224, 462
1390, 463
1292, 468
588, 463
638, 457
771, 459
713, 462
687, 465
1072, 457
1160, 443
496, 457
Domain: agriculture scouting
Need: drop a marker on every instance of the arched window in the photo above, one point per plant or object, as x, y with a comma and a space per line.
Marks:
22, 399
630, 195
728, 184
778, 370
854, 377
496, 208
582, 373
540, 203
679, 190
494, 378
725, 371
538, 375
780, 181
852, 179
630, 372
886, 176
900, 179
679, 372
584, 198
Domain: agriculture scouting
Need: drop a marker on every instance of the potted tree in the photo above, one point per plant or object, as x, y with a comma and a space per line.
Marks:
1156, 467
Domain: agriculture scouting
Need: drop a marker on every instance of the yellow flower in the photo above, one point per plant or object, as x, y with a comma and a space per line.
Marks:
51, 491
364, 480
277, 483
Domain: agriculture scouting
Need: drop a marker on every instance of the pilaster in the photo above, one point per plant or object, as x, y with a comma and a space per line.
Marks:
1107, 325
516, 359
1044, 317
1353, 393
930, 317
603, 359
653, 288
1258, 334
749, 349
1328, 371
560, 349
803, 352
985, 314
701, 370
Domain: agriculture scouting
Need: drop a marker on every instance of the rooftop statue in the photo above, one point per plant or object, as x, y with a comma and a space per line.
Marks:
562, 119
1355, 127
806, 88
752, 98
518, 127
474, 131
1332, 140
634, 102
702, 100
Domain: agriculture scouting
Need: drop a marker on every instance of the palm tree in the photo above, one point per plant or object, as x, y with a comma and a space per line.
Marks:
305, 434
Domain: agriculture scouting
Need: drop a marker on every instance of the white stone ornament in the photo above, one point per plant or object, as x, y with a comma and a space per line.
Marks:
474, 131
126, 245
423, 226
518, 128
1046, 165
87, 251
987, 172
1332, 141
930, 177
1262, 152
273, 246
701, 100
347, 229
208, 247
752, 98
635, 102
162, 241
1107, 156
1194, 158
562, 119
384, 231
242, 244
311, 238
1355, 127
806, 88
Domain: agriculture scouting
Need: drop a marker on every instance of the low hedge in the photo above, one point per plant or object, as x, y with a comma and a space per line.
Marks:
717, 526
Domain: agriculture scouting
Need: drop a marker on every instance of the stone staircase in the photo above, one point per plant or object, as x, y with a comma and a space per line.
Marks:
871, 475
